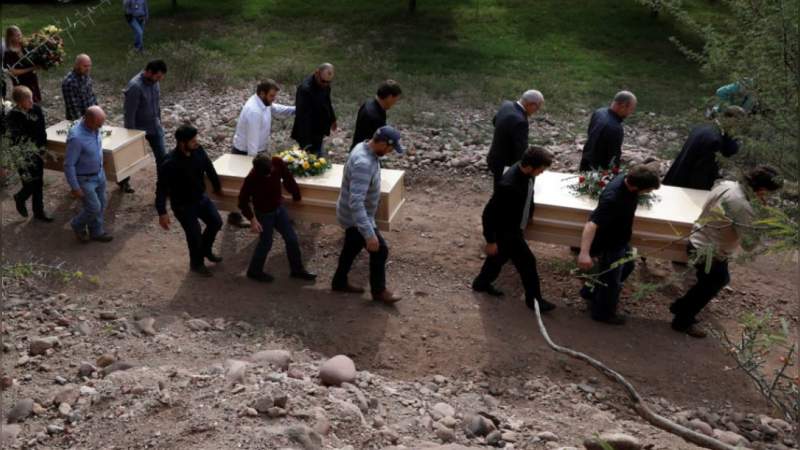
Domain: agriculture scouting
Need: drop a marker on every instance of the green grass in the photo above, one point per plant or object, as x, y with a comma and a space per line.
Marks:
470, 52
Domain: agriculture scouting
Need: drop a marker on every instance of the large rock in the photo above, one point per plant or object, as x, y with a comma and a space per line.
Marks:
337, 370
117, 367
68, 394
442, 410
305, 437
198, 325
730, 438
476, 425
235, 371
278, 358
619, 441
146, 326
40, 345
21, 411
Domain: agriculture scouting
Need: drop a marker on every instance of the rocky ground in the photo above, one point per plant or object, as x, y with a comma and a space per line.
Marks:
137, 353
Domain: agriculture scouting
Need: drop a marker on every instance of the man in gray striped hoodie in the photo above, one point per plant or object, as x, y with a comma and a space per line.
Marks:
355, 211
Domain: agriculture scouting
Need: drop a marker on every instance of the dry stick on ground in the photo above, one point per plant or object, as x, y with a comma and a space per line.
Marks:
638, 404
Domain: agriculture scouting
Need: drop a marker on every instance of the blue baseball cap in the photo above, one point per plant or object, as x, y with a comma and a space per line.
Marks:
391, 136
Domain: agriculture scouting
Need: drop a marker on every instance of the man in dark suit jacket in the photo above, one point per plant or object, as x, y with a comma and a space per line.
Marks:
505, 218
372, 113
696, 165
314, 117
603, 147
511, 132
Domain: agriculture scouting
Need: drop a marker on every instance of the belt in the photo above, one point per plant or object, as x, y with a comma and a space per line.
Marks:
88, 174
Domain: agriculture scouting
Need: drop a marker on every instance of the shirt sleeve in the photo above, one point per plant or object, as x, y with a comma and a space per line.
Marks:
359, 185
603, 214
70, 100
303, 112
71, 156
282, 110
211, 172
132, 97
289, 182
162, 188
250, 127
244, 197
520, 140
742, 217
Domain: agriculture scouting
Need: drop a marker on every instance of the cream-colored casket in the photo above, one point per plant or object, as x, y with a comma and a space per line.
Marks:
560, 215
124, 150
319, 193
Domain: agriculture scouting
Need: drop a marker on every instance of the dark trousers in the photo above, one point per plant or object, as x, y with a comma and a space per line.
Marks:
697, 297
496, 171
278, 220
605, 296
512, 248
353, 244
313, 146
199, 241
32, 177
159, 148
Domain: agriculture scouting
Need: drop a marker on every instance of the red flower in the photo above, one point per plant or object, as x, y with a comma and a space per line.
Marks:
615, 170
581, 179
601, 183
605, 173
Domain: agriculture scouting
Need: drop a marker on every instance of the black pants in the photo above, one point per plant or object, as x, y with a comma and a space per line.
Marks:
275, 220
497, 171
199, 241
512, 248
353, 243
32, 177
313, 146
605, 296
697, 297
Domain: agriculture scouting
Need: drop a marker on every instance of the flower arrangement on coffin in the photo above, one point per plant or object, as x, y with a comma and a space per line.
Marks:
592, 183
45, 48
303, 164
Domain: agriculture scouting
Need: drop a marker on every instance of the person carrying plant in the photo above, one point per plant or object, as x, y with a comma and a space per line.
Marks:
261, 201
724, 225
605, 242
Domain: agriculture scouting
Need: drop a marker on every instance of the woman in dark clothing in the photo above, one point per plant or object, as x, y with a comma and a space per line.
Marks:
24, 73
26, 126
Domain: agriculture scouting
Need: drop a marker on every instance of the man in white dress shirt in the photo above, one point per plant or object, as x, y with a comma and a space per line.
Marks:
254, 128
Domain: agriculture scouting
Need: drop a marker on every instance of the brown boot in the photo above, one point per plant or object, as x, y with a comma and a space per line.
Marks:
386, 297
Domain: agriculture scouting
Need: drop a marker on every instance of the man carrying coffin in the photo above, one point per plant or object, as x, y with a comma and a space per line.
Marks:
505, 218
355, 211
181, 178
606, 240
372, 113
511, 127
254, 128
603, 147
725, 224
314, 118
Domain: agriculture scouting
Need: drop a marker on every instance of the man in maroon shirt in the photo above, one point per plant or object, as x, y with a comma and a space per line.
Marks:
262, 187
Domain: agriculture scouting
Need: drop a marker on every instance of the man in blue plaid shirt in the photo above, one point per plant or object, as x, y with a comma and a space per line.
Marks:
77, 88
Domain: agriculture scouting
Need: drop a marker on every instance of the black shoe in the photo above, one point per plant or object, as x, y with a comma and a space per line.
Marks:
488, 289
82, 236
235, 219
544, 305
43, 217
202, 271
586, 293
692, 330
21, 208
125, 187
304, 275
347, 288
261, 277
616, 319
105, 237
214, 258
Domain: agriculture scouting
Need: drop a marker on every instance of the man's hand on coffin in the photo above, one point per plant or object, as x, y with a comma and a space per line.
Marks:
491, 249
255, 226
163, 220
585, 261
77, 193
373, 245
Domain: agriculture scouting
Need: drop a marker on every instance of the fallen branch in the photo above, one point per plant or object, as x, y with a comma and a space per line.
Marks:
639, 406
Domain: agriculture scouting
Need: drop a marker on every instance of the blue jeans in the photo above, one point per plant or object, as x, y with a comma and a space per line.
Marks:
605, 296
137, 24
279, 220
199, 241
156, 142
94, 204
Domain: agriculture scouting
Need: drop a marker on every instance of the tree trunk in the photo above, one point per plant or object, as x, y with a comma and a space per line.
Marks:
412, 6
174, 4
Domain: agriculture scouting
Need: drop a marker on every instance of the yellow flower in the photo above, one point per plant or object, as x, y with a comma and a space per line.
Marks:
317, 165
322, 161
289, 159
306, 165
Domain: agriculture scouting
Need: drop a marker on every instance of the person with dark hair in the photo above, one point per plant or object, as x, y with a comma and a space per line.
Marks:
724, 225
78, 89
262, 189
696, 166
181, 178
606, 238
510, 140
314, 118
137, 13
372, 113
83, 169
143, 110
254, 128
358, 202
505, 218
21, 71
603, 147
26, 125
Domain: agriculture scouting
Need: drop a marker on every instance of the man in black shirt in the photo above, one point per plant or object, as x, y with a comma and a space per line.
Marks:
181, 177
505, 218
603, 147
314, 116
510, 138
372, 113
606, 237
696, 165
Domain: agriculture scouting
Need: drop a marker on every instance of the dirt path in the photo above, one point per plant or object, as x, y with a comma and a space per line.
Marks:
440, 327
